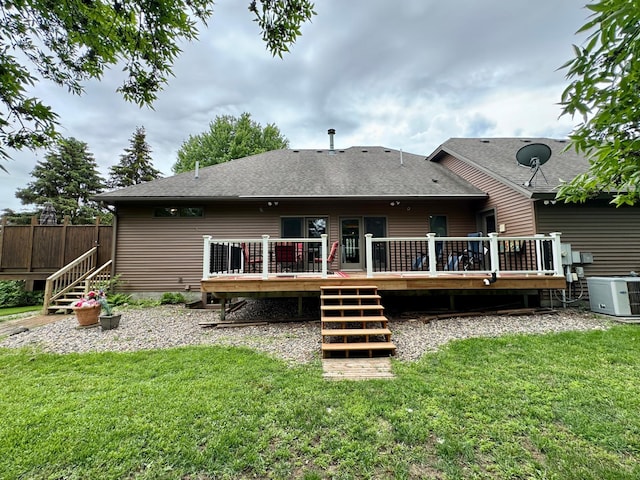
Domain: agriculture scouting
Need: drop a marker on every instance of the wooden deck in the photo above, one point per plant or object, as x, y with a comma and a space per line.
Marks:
226, 286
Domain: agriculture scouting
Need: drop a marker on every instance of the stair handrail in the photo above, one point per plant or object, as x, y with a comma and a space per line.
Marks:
68, 277
101, 274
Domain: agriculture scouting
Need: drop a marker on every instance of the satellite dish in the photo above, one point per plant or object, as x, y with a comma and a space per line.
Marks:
533, 156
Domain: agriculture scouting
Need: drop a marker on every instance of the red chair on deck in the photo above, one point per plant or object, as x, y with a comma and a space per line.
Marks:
332, 254
249, 261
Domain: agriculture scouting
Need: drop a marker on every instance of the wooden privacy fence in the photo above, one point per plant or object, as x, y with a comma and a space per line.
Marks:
47, 248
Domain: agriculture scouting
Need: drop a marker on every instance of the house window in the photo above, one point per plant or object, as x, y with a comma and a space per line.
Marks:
303, 227
438, 225
166, 212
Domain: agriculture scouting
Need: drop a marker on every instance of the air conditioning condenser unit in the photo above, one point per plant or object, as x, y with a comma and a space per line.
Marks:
618, 296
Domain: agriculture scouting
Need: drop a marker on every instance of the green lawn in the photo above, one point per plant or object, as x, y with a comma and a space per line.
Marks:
562, 406
7, 312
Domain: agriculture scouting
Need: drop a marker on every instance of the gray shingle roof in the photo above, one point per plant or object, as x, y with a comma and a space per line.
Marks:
497, 157
366, 172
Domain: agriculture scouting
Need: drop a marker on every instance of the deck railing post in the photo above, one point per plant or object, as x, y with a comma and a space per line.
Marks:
539, 264
431, 241
206, 257
369, 254
265, 257
557, 254
494, 256
325, 253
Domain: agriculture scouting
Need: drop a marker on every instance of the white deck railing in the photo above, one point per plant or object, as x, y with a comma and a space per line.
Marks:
430, 255
266, 256
526, 255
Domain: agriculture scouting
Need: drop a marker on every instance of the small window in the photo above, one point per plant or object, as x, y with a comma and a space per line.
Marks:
165, 212
438, 225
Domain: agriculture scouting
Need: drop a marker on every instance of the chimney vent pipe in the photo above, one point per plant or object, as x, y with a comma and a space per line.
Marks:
331, 132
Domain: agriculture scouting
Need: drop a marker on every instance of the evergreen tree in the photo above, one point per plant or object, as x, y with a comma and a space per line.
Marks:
228, 137
135, 164
67, 178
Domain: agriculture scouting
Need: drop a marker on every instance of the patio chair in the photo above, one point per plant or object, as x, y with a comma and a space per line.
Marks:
249, 261
286, 257
332, 254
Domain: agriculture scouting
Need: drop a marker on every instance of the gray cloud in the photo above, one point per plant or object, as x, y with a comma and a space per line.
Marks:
406, 74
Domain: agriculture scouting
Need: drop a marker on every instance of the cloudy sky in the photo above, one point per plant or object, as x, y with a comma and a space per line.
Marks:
405, 74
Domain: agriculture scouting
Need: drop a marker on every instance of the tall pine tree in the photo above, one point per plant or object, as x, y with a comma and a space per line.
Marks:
135, 164
67, 178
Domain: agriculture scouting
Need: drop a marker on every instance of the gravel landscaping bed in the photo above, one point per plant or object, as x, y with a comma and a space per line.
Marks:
284, 336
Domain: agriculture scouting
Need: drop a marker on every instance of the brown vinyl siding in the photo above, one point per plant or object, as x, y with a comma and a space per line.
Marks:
512, 208
610, 234
165, 254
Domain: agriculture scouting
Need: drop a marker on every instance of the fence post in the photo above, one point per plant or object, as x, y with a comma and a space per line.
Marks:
557, 254
265, 257
206, 257
433, 259
494, 255
324, 252
369, 254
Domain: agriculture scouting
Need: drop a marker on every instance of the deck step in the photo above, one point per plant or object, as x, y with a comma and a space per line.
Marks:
355, 332
356, 319
352, 297
352, 307
348, 287
359, 346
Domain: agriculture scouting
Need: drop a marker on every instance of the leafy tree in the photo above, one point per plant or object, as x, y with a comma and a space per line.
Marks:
73, 41
228, 138
135, 164
67, 178
604, 90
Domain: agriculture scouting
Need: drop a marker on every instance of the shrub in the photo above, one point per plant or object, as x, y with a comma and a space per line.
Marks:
172, 298
118, 299
13, 294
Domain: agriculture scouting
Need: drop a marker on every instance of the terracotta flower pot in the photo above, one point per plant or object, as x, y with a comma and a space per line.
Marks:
109, 322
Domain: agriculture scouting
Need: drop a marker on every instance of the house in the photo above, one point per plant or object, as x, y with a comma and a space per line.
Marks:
247, 207
603, 239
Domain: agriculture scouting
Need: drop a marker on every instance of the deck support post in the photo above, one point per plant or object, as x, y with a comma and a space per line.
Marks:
223, 308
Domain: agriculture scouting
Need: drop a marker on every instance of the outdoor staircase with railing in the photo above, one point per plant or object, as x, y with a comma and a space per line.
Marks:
73, 281
353, 322
64, 302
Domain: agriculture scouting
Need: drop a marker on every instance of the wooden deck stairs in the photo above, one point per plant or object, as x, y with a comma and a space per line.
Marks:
63, 304
353, 322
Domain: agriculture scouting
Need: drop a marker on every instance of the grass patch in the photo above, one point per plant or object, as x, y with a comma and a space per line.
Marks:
5, 312
560, 406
